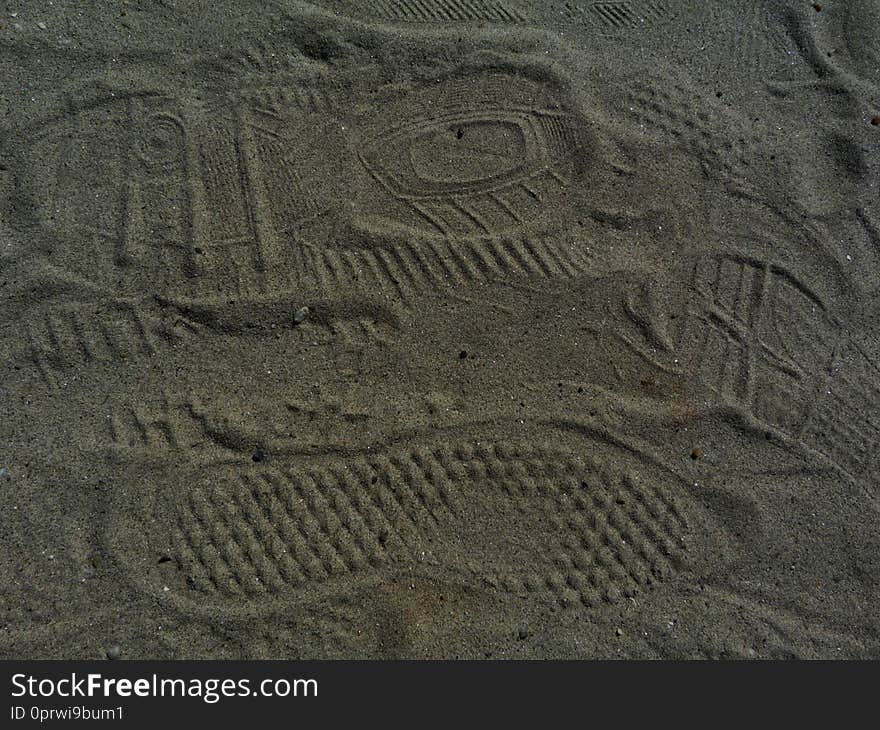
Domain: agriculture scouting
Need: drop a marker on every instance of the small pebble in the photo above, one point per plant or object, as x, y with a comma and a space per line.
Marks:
300, 315
697, 453
41, 26
114, 652
619, 632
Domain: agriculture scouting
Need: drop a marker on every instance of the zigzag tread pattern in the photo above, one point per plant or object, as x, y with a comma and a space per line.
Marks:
405, 270
62, 338
439, 11
622, 15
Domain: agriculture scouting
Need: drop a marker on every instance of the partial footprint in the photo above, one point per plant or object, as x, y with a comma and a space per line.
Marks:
763, 343
575, 531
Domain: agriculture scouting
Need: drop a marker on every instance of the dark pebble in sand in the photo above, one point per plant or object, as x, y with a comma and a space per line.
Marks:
875, 121
114, 652
697, 453
462, 355
300, 315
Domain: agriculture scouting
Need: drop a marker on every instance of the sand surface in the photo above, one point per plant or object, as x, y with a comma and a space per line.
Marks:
439, 328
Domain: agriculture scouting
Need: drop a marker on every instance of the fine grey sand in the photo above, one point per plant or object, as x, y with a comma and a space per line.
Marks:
440, 329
